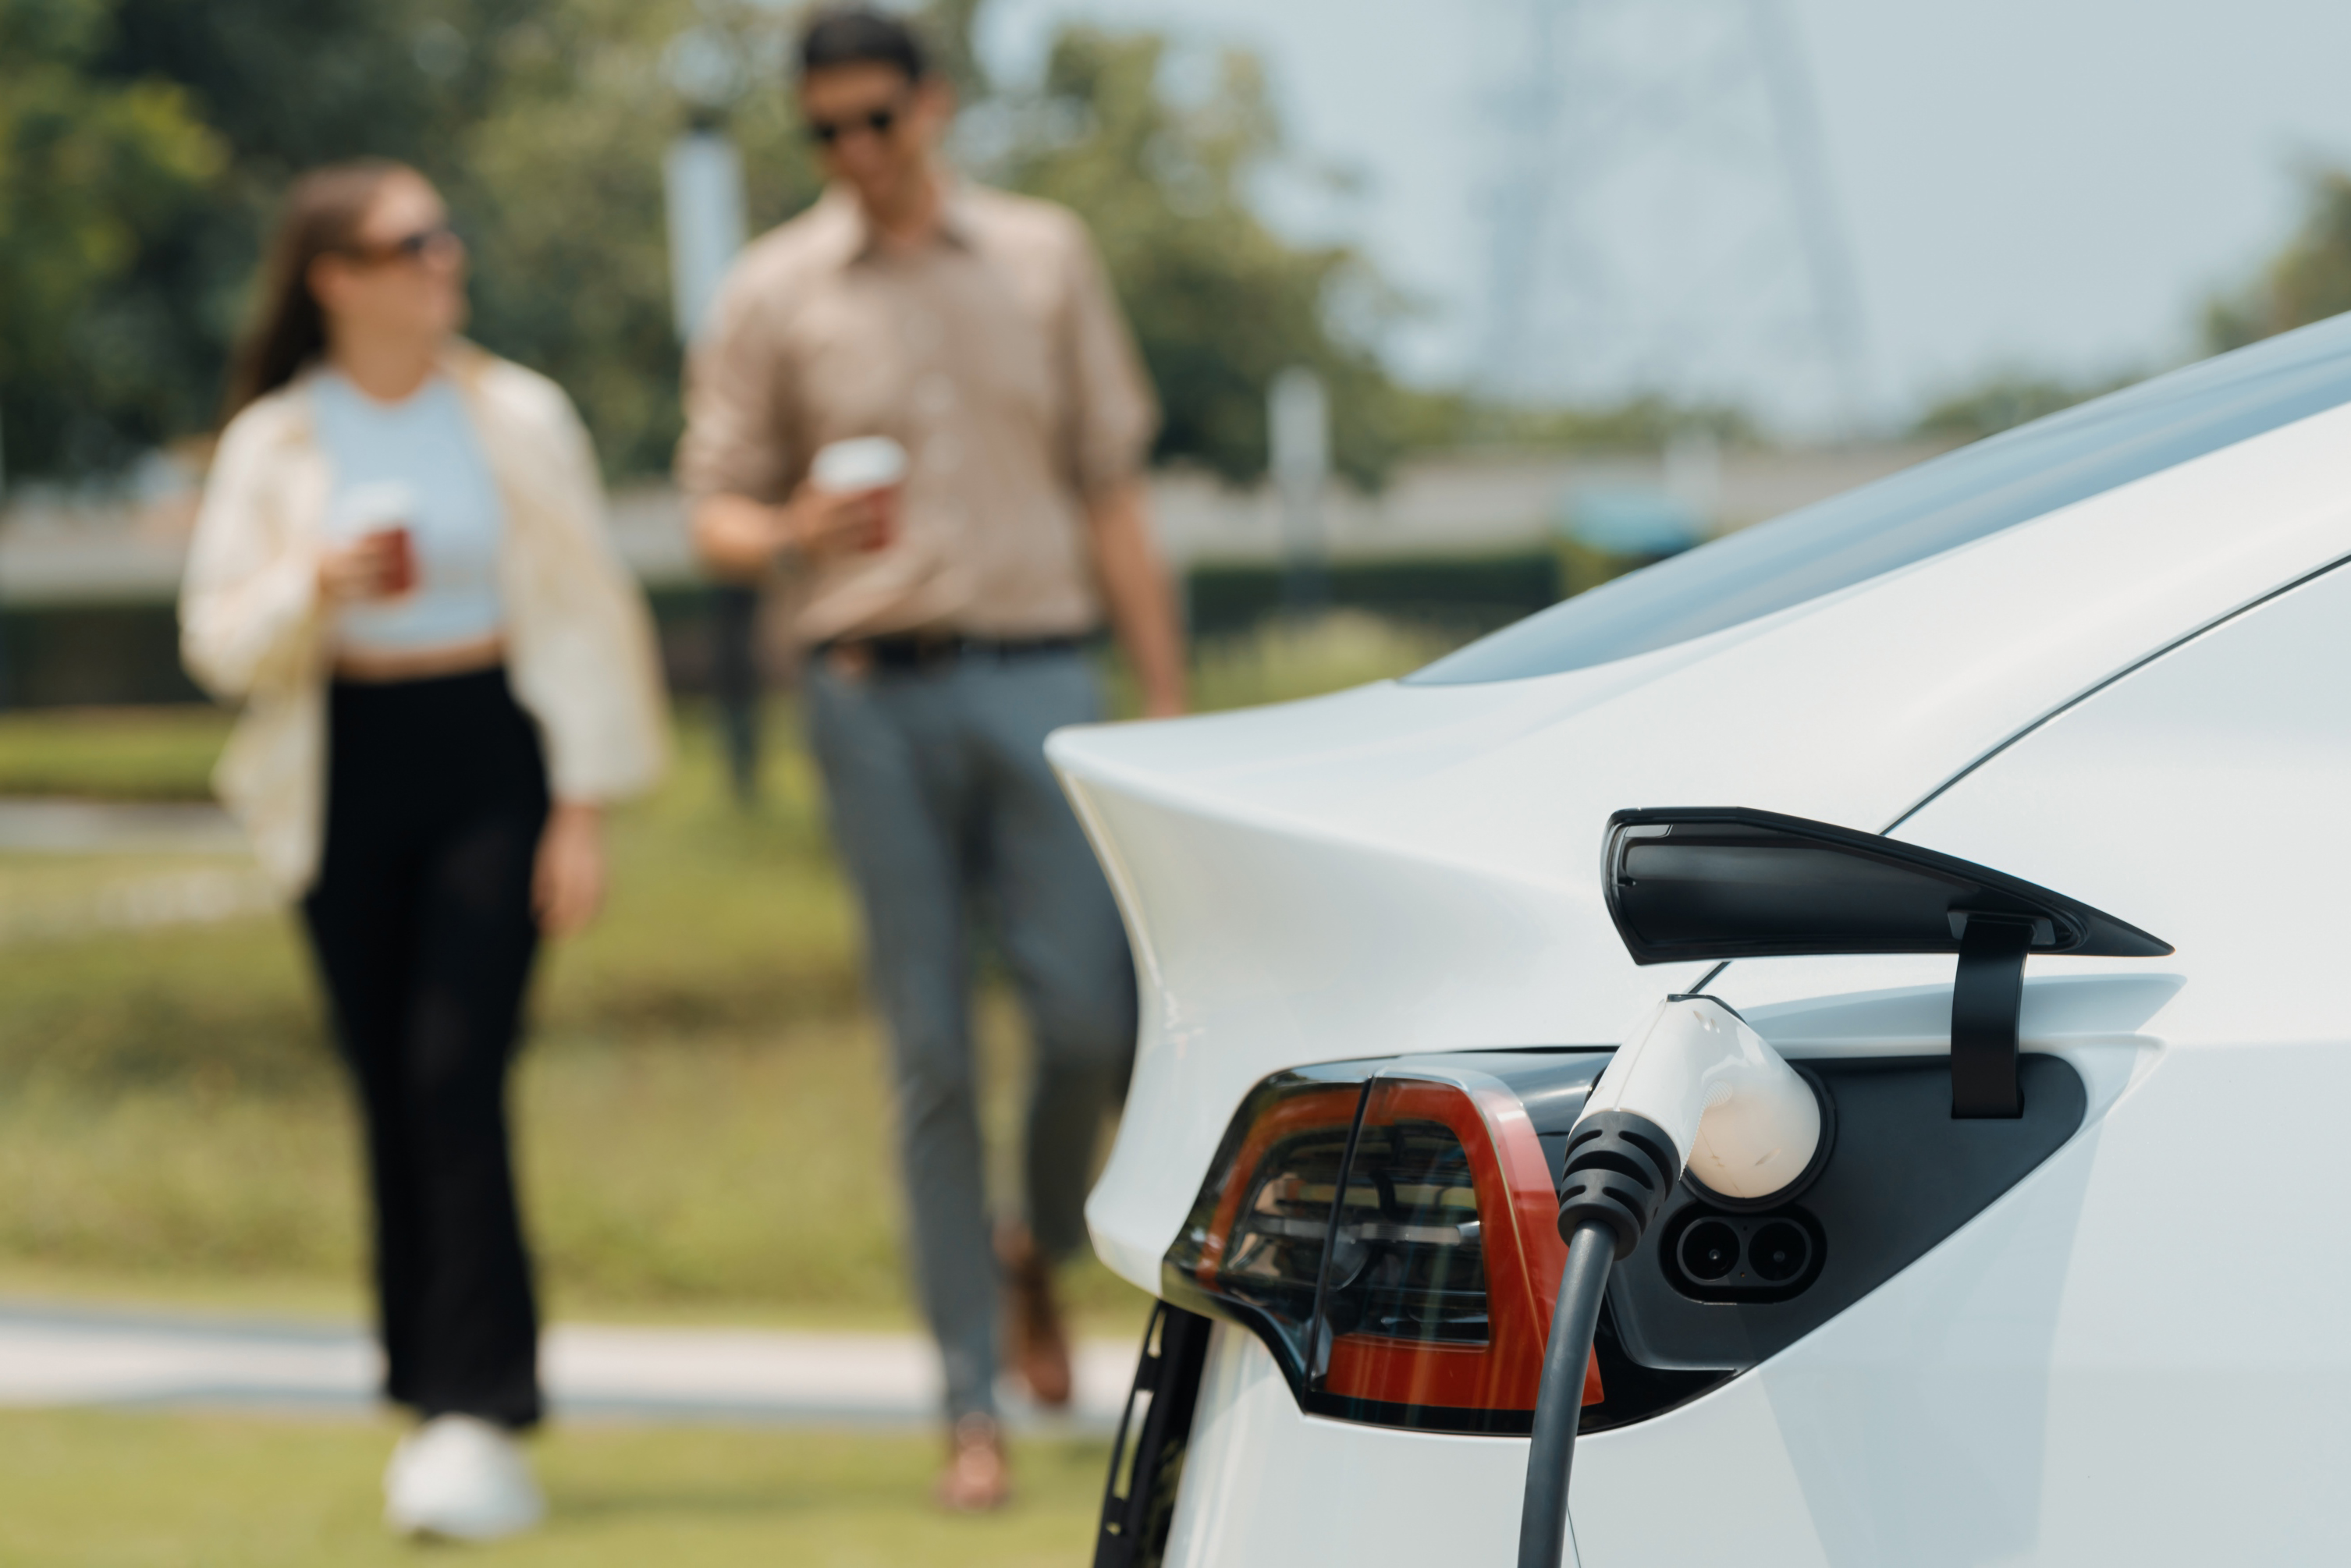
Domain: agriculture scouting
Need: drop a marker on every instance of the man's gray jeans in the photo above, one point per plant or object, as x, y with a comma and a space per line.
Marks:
943, 808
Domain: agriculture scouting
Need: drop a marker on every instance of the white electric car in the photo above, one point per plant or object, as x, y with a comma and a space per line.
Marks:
2064, 1278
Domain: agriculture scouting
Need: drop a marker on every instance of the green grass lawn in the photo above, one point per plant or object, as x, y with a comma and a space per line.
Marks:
704, 1134
702, 1112
112, 754
108, 1489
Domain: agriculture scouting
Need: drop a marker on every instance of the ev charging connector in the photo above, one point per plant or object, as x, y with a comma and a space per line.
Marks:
1693, 1089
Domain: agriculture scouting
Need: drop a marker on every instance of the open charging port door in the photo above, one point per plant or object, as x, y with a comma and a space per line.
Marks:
1725, 882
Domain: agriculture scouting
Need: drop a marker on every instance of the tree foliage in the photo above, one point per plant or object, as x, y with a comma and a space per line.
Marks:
144, 145
1220, 303
2307, 281
97, 176
560, 182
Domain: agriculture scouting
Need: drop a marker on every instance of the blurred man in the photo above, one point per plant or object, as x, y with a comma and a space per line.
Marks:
945, 615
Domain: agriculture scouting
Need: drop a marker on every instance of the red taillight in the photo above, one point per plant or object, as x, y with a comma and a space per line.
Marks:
1260, 1244
1418, 1219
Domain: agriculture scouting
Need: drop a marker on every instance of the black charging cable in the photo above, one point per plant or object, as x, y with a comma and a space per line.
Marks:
1618, 1169
1558, 1407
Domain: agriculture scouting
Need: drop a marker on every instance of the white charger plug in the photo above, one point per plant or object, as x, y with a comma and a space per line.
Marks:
1744, 1123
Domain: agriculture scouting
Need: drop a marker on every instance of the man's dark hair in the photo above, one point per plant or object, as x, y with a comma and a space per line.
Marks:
856, 35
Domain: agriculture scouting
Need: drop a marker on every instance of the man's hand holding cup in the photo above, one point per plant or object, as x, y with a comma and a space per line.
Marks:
849, 503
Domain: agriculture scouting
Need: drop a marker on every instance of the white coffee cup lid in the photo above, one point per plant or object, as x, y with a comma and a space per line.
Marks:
866, 462
365, 507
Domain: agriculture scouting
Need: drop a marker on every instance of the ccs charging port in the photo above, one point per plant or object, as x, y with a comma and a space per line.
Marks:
1769, 1257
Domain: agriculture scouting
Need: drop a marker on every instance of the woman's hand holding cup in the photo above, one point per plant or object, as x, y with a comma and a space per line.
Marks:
379, 564
370, 553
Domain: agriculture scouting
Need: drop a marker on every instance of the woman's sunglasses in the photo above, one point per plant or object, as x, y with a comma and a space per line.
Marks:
407, 247
880, 121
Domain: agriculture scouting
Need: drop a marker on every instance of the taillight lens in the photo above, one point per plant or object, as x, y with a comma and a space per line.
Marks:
1408, 1261
1260, 1243
1395, 1242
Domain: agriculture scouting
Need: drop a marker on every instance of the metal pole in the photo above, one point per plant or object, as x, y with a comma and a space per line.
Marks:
1298, 415
703, 184
702, 178
1520, 203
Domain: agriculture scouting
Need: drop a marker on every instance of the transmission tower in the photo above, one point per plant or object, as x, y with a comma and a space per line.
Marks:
1662, 221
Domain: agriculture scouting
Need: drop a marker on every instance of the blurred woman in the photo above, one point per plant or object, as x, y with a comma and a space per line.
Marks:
400, 571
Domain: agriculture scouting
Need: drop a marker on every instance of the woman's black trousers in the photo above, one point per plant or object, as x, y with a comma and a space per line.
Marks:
422, 921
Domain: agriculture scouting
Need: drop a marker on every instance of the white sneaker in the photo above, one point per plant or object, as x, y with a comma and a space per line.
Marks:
462, 1477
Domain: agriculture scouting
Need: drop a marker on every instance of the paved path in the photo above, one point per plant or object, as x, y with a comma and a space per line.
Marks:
87, 827
54, 1355
72, 867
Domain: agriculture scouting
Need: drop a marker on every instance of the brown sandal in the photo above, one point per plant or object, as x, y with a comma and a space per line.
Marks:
1037, 1345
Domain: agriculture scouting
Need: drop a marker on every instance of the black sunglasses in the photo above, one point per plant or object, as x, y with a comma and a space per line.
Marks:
880, 121
407, 247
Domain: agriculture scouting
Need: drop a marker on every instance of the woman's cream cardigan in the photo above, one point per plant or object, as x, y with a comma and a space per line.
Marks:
580, 644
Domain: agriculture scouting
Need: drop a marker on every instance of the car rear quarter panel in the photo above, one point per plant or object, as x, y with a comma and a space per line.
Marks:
1407, 869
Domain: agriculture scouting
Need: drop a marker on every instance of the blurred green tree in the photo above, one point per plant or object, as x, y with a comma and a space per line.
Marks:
96, 174
561, 185
144, 145
160, 134
1220, 303
2307, 281
287, 85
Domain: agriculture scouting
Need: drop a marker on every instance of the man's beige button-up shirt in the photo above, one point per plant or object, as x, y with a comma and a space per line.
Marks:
996, 354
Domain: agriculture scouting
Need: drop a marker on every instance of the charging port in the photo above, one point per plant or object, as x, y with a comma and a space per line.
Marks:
1778, 1252
1712, 1257
1709, 1251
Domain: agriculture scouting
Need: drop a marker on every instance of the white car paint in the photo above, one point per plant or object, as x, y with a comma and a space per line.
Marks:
2136, 1354
1405, 868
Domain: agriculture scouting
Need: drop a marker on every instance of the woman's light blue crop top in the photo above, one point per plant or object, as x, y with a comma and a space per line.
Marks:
415, 464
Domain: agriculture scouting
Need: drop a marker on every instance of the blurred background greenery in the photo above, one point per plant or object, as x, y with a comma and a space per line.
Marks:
702, 1114
704, 1118
143, 144
703, 1127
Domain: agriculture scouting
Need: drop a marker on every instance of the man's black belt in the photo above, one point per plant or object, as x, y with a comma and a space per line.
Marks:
928, 651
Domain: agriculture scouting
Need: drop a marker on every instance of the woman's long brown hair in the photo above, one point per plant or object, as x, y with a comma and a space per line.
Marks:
322, 214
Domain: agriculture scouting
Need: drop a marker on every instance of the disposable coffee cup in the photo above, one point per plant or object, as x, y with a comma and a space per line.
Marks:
384, 508
400, 574
866, 462
874, 465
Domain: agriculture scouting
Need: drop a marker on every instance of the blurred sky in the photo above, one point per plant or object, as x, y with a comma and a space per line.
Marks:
2048, 184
